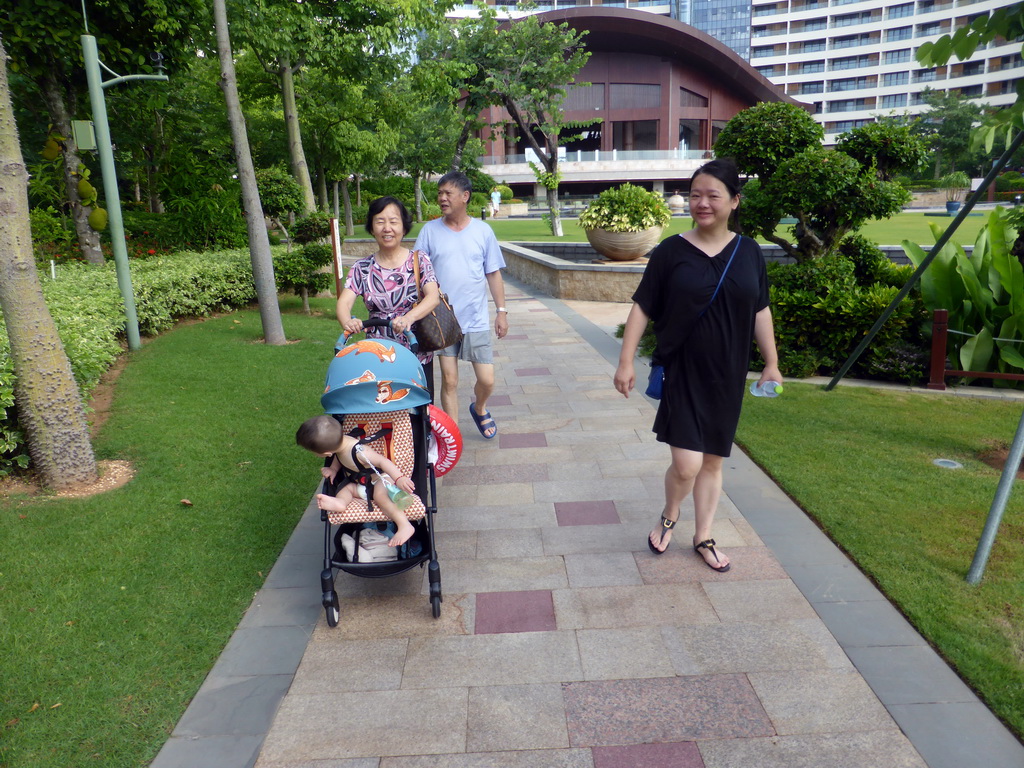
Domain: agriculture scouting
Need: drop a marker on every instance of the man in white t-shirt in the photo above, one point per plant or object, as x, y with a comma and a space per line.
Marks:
467, 262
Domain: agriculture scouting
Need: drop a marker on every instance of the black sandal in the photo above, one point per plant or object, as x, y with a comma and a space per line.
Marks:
666, 525
709, 545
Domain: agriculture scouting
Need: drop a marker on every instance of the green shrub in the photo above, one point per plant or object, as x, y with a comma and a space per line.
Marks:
626, 208
300, 270
312, 227
822, 309
506, 193
478, 202
87, 309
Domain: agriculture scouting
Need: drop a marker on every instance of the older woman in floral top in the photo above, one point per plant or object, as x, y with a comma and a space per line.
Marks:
386, 280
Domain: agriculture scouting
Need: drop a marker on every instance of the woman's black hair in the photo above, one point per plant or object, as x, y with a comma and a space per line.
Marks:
380, 204
723, 169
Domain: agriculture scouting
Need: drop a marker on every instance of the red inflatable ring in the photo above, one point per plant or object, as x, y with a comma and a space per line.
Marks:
447, 438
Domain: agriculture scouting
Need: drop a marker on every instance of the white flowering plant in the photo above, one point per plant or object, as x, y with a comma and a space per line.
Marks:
627, 208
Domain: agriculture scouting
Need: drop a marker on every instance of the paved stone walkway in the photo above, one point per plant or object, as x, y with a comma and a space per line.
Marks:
563, 642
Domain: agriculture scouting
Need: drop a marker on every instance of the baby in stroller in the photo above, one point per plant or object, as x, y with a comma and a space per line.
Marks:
323, 436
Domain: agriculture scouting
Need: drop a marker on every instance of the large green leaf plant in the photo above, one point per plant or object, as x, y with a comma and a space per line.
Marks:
984, 294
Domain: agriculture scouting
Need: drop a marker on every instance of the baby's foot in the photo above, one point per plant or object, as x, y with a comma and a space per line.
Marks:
402, 535
330, 503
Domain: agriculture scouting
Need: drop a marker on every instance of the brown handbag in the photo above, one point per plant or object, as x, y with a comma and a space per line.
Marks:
440, 328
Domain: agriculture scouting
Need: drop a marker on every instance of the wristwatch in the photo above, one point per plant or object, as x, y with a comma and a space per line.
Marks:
501, 309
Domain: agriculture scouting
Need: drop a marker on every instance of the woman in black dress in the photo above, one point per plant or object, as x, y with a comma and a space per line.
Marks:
704, 342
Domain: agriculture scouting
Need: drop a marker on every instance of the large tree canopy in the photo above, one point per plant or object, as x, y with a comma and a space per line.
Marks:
829, 193
43, 41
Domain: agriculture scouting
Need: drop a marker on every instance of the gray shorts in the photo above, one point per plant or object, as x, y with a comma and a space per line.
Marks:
475, 347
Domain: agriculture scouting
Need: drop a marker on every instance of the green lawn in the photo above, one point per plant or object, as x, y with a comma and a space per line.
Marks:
860, 462
911, 226
114, 608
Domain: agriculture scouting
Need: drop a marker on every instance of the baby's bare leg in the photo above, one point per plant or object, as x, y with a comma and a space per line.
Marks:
404, 529
336, 503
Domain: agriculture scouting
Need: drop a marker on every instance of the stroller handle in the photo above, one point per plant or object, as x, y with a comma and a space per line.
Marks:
380, 322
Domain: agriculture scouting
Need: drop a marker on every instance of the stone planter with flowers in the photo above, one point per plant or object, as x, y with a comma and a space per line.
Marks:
625, 222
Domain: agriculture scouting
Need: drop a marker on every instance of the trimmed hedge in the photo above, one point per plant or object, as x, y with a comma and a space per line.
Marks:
87, 309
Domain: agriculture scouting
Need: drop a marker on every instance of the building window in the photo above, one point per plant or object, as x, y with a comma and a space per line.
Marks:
901, 11
842, 126
818, 87
971, 92
635, 135
893, 100
809, 67
691, 134
926, 30
848, 84
587, 98
900, 33
973, 68
849, 19
897, 57
811, 46
768, 71
761, 51
688, 98
924, 76
895, 78
847, 105
634, 96
813, 25
851, 62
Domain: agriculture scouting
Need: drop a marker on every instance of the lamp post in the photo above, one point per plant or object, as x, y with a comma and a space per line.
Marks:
106, 153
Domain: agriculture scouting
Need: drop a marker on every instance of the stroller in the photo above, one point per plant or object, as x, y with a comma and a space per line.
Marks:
378, 386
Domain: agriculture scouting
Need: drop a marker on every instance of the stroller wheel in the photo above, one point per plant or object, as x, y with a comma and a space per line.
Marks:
333, 611
435, 606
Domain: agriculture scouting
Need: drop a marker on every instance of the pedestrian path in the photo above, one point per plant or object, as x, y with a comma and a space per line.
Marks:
563, 642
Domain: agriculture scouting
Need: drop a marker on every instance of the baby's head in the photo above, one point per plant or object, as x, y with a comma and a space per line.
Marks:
322, 435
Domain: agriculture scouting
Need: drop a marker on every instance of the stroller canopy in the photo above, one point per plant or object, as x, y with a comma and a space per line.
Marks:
374, 376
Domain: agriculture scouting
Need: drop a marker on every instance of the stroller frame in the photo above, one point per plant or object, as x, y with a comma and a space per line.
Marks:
424, 478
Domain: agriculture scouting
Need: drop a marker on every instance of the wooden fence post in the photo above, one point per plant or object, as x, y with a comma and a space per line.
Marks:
937, 372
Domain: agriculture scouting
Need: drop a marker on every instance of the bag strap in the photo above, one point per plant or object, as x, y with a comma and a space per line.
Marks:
724, 271
416, 273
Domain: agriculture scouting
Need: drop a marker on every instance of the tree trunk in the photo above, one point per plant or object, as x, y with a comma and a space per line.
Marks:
46, 395
460, 146
291, 121
88, 238
556, 219
347, 202
304, 293
321, 185
417, 193
259, 242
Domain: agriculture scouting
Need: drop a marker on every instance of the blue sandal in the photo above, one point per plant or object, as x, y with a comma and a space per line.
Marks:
483, 422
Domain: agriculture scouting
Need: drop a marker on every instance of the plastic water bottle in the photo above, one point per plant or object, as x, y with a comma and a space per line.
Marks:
401, 498
769, 389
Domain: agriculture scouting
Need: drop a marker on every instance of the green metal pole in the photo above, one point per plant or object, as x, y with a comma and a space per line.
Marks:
110, 192
995, 512
943, 239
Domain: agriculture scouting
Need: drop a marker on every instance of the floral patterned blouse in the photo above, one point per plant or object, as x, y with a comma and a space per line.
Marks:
389, 293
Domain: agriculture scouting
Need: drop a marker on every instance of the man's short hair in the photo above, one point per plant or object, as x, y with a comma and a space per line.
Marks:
320, 434
457, 179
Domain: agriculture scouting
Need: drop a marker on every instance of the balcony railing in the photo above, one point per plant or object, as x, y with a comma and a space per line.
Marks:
608, 156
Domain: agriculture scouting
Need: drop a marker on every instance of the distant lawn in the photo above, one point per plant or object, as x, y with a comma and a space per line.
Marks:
859, 461
911, 226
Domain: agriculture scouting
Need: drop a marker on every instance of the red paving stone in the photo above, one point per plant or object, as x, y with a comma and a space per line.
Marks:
586, 513
504, 612
663, 709
680, 755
